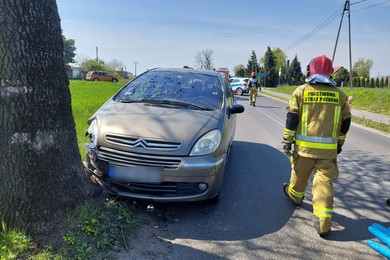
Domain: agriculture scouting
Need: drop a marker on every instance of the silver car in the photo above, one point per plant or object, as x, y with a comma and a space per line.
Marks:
165, 136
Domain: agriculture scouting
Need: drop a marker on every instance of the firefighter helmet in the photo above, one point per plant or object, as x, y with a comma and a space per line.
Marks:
253, 74
320, 65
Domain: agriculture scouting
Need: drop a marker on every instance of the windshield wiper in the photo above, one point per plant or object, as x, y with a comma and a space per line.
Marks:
166, 103
136, 100
178, 104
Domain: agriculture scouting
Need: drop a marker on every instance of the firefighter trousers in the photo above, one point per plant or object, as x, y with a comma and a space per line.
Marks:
252, 95
325, 172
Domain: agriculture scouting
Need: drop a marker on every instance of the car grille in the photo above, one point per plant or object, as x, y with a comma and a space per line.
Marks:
136, 159
165, 189
141, 142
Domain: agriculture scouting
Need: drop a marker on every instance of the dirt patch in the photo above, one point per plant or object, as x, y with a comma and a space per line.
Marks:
150, 241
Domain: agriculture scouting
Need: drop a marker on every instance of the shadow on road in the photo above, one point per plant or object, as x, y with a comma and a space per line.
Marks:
252, 204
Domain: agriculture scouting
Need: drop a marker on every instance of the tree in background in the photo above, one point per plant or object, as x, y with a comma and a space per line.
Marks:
253, 65
284, 74
240, 71
93, 64
41, 171
271, 79
363, 67
372, 83
204, 59
69, 50
342, 75
115, 65
99, 65
294, 73
355, 82
377, 83
279, 57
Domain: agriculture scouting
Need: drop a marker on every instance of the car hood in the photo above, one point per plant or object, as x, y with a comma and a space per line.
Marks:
153, 123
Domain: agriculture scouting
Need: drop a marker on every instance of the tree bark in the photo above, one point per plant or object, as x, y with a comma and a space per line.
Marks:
40, 165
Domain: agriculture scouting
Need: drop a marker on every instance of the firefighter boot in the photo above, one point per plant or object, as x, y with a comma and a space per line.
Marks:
322, 225
295, 200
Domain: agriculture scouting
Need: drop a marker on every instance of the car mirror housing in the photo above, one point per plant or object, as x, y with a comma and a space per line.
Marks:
236, 109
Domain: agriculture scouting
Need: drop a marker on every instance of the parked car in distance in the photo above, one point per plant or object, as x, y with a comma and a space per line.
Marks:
101, 76
164, 137
239, 85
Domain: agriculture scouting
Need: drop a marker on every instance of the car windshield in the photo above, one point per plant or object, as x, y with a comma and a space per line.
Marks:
196, 89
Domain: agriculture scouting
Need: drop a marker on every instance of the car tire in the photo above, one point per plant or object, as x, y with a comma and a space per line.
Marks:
95, 79
115, 80
239, 91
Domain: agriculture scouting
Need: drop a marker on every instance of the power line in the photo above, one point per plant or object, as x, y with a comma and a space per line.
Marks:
328, 21
373, 5
358, 2
316, 30
255, 30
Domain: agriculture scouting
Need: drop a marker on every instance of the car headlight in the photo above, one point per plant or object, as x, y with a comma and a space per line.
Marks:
92, 132
208, 143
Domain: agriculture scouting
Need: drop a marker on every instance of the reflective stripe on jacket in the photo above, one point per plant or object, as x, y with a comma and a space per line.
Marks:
321, 109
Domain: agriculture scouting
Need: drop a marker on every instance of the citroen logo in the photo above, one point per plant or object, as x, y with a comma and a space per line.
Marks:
141, 142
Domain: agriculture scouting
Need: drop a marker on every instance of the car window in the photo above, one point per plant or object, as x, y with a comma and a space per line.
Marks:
204, 90
229, 94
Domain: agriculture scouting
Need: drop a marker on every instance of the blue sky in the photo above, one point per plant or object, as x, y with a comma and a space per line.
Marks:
170, 33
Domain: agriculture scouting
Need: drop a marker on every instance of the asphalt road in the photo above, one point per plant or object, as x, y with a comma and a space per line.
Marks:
254, 220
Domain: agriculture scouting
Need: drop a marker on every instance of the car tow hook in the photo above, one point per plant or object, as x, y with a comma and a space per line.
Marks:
150, 208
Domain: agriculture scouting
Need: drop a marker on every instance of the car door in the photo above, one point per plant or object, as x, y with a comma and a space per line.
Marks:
230, 120
106, 76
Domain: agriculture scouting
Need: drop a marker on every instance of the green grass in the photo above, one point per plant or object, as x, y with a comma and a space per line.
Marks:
94, 231
87, 97
90, 231
376, 100
13, 243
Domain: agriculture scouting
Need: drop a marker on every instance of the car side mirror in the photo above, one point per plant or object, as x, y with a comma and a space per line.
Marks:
236, 109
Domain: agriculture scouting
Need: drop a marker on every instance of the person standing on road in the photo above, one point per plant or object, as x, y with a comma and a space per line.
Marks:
318, 119
253, 86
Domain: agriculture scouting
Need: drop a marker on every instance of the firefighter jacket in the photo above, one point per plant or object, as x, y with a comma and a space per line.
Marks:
320, 110
252, 83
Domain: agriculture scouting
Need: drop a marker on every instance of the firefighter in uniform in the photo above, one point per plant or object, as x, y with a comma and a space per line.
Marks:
318, 119
253, 86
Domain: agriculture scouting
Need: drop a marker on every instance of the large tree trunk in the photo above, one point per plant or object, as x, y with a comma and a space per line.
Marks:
40, 165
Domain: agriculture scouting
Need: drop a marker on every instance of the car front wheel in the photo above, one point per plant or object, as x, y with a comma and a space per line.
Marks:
239, 91
115, 80
95, 79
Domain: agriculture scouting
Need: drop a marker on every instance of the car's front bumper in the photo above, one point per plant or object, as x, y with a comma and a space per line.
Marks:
195, 179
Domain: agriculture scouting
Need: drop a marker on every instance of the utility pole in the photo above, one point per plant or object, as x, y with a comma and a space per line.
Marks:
347, 7
97, 53
135, 69
350, 55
